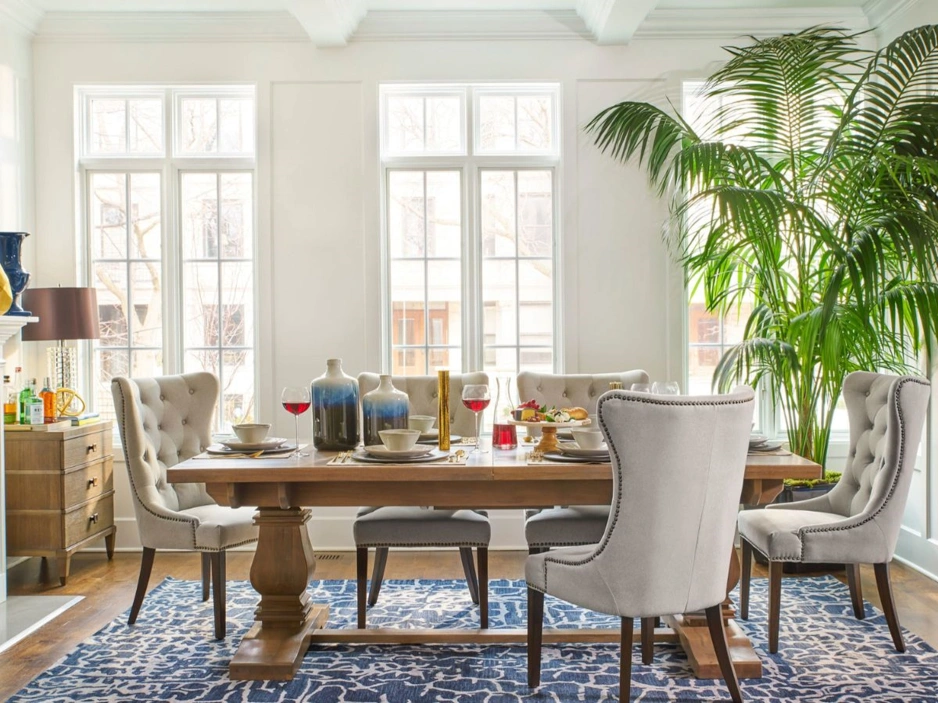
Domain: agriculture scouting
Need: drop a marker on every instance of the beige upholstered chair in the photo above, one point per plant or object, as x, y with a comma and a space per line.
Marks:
858, 522
383, 528
574, 525
678, 465
162, 422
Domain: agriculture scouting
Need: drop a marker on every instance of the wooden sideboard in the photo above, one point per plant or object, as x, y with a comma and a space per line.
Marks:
59, 492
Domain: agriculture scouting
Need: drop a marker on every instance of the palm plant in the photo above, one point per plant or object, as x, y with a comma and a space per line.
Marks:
813, 195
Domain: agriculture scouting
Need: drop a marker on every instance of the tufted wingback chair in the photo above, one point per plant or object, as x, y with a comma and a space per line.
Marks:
391, 526
677, 467
858, 521
422, 393
573, 525
162, 422
573, 389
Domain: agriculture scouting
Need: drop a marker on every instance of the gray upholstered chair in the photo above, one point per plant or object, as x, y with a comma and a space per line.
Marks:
574, 525
858, 522
383, 528
162, 422
678, 465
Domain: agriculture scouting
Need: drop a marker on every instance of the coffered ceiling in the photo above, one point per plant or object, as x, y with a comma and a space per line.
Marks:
329, 23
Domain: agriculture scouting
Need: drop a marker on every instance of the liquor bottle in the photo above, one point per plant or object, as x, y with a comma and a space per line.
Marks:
48, 401
25, 394
9, 402
14, 394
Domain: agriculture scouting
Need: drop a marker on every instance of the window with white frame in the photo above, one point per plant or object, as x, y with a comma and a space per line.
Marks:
167, 178
469, 184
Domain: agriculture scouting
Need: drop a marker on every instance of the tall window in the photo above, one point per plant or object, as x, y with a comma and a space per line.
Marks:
168, 210
469, 180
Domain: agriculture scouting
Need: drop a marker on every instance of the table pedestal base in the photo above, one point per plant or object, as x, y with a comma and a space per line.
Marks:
703, 660
275, 654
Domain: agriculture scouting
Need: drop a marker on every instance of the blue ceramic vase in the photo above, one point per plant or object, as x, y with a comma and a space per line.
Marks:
335, 409
10, 245
384, 408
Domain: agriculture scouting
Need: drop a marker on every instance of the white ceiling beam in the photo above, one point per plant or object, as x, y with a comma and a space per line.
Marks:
614, 21
328, 22
20, 14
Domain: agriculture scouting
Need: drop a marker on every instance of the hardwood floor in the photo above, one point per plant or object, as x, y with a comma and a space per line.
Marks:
108, 588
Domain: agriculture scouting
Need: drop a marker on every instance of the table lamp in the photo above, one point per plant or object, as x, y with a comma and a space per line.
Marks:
64, 314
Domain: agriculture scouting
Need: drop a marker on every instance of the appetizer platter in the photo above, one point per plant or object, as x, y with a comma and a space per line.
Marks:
548, 419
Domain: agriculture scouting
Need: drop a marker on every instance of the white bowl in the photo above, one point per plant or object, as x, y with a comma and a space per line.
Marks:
422, 423
251, 432
399, 440
587, 438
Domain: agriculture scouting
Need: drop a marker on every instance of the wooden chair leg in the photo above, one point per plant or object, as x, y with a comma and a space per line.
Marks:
744, 578
884, 586
482, 554
361, 587
218, 593
775, 602
625, 658
535, 632
718, 638
856, 590
648, 640
146, 566
469, 569
377, 574
206, 574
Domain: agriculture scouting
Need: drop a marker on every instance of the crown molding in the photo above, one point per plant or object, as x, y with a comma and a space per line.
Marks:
470, 25
22, 14
328, 22
762, 22
170, 27
880, 11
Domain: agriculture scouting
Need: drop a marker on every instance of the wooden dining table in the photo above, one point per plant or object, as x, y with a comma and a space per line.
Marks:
284, 490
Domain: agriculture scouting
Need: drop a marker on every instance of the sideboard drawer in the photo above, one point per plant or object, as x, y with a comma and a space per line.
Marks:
90, 482
89, 519
85, 449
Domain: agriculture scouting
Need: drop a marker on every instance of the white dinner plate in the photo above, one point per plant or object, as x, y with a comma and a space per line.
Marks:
765, 447
433, 437
757, 439
221, 449
572, 449
570, 459
382, 452
236, 446
432, 455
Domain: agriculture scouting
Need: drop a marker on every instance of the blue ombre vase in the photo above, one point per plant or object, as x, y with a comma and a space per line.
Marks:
335, 409
10, 245
384, 408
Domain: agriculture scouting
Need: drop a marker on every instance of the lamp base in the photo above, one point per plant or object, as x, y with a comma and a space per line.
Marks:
63, 366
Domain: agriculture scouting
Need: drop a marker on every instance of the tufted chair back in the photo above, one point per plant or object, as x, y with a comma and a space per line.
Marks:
422, 394
572, 390
162, 422
887, 414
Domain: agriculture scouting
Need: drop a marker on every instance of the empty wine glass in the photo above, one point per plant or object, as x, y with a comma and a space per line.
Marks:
476, 397
641, 387
296, 401
666, 388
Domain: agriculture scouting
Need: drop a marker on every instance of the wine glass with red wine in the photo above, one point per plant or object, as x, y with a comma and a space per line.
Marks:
476, 397
296, 401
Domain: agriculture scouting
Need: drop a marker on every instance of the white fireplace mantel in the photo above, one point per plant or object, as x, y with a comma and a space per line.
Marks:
10, 326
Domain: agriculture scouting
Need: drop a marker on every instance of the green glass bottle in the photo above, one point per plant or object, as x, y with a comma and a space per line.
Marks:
28, 392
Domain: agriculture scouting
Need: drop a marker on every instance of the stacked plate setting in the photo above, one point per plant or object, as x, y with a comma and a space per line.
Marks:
381, 454
761, 443
433, 437
271, 445
572, 452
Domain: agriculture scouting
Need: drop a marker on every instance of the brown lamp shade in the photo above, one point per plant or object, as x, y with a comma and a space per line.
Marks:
64, 313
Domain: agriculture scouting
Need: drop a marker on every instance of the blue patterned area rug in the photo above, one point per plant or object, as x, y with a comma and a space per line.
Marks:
826, 655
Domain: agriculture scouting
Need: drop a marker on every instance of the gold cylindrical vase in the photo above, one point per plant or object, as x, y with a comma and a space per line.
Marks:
443, 408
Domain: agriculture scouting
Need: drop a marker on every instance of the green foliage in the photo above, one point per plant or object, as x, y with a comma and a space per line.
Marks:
815, 192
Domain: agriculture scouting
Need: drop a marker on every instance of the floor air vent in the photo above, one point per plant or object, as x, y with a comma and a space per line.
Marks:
328, 557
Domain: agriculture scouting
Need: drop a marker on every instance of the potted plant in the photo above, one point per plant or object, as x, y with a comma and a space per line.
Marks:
813, 195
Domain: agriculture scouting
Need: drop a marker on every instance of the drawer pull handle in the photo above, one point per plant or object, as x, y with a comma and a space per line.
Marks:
92, 482
94, 519
92, 448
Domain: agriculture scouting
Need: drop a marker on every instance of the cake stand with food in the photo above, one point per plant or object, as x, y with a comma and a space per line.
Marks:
548, 419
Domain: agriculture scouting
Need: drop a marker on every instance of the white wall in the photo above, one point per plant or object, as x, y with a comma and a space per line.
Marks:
318, 197
16, 178
919, 13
